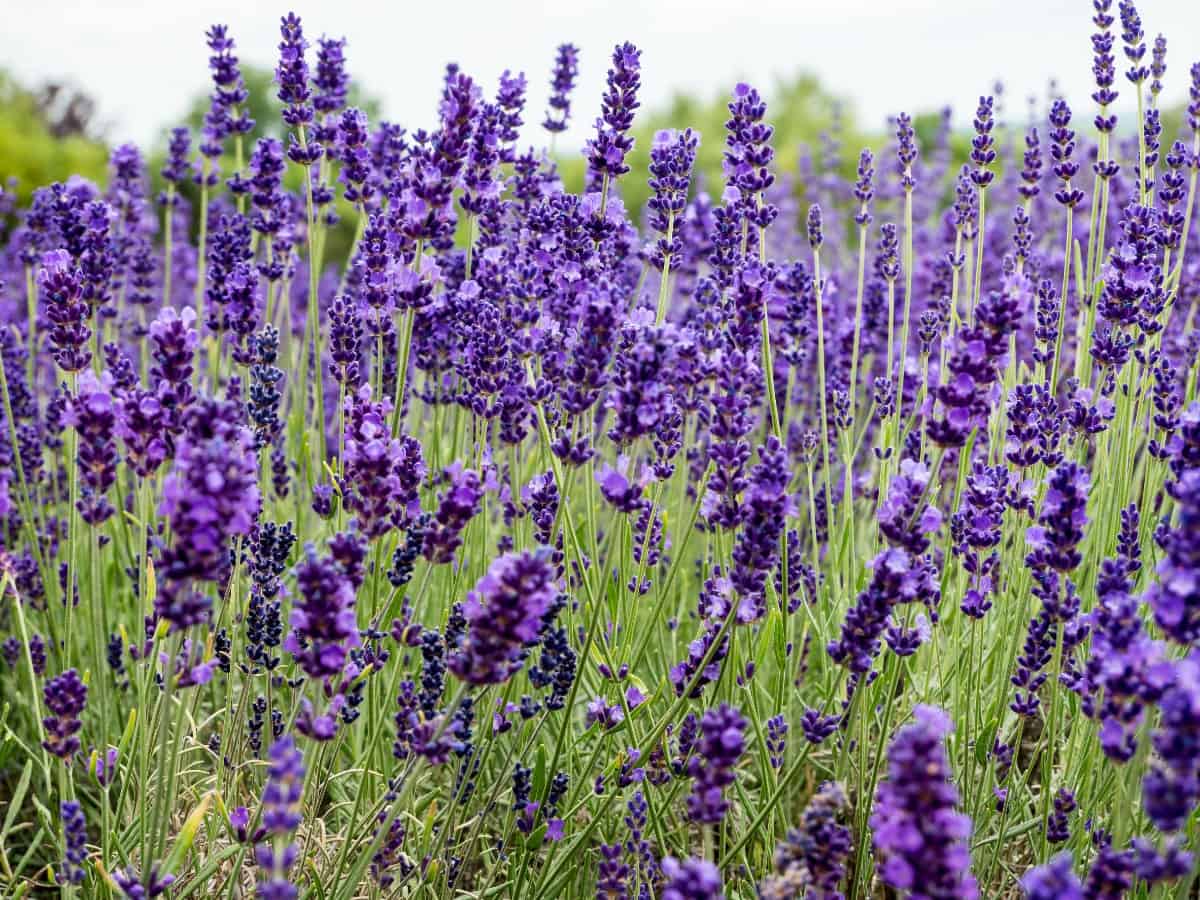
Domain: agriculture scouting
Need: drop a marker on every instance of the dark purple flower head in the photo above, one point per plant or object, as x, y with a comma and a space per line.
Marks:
457, 506
766, 506
74, 842
1134, 40
1031, 173
691, 879
983, 152
504, 615
93, 415
748, 157
1193, 107
864, 189
324, 625
896, 578
1104, 65
1056, 880
330, 82
61, 290
903, 521
1158, 66
1175, 596
923, 839
906, 150
65, 697
210, 496
1062, 147
811, 861
712, 767
1055, 538
381, 474
607, 150
815, 232
282, 804
229, 93
178, 167
671, 158
292, 73
562, 82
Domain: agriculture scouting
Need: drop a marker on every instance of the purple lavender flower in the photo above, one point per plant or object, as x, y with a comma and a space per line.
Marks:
896, 578
1133, 38
457, 506
671, 158
748, 156
292, 73
562, 82
613, 875
210, 495
381, 474
1171, 789
921, 836
330, 86
134, 887
93, 417
504, 615
1058, 826
282, 802
983, 152
61, 291
229, 92
75, 843
1056, 880
1062, 146
691, 879
1175, 595
65, 696
712, 768
766, 507
607, 150
1055, 538
1103, 66
811, 860
324, 627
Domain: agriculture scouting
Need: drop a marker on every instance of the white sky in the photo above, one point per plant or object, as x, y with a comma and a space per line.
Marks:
144, 60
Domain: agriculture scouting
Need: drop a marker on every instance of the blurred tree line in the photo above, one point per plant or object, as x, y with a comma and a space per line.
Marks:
47, 134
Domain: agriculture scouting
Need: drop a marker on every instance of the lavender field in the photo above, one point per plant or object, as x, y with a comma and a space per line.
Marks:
798, 535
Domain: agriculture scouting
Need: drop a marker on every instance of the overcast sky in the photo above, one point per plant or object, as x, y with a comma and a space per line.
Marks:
143, 60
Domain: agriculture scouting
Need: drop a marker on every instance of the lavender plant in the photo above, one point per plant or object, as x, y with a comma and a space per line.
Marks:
539, 546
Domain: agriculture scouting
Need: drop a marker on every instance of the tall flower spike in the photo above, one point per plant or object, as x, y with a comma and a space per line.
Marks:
504, 615
712, 768
691, 879
906, 150
811, 860
75, 844
291, 74
983, 152
919, 833
324, 626
210, 496
864, 188
61, 290
671, 158
65, 696
562, 82
1104, 65
607, 150
282, 801
1135, 42
1062, 146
